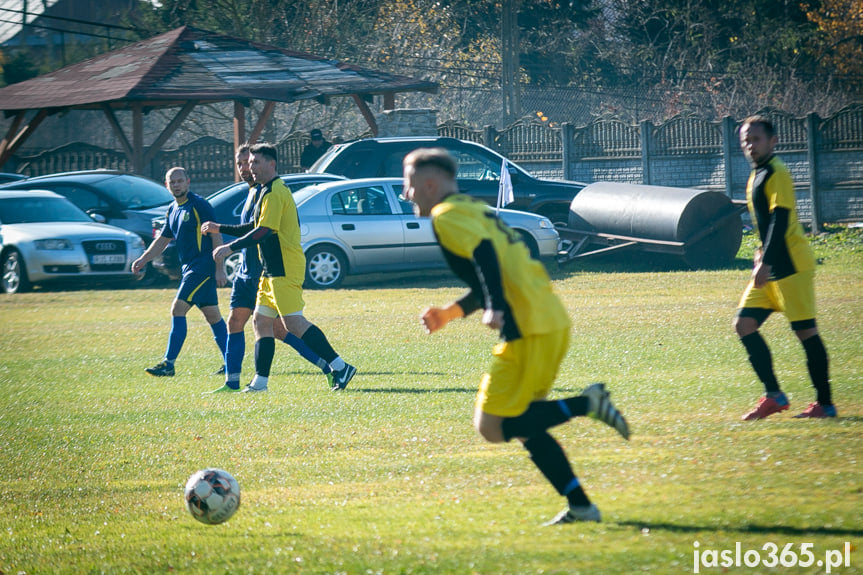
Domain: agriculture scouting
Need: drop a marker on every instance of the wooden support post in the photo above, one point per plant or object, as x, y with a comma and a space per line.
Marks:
137, 138
12, 142
367, 113
262, 122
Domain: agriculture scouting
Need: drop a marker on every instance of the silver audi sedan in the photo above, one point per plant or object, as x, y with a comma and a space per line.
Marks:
362, 226
46, 238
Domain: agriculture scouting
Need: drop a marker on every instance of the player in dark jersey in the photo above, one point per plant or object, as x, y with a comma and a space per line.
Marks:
201, 275
275, 232
244, 292
782, 277
515, 294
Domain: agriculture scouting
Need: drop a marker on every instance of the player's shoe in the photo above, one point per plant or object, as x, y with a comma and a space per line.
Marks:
252, 389
329, 376
226, 389
589, 513
818, 410
342, 377
162, 369
602, 409
767, 406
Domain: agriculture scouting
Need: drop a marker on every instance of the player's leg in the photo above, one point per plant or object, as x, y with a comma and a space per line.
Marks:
265, 346
281, 333
179, 308
755, 307
244, 292
289, 298
218, 327
312, 336
798, 293
509, 404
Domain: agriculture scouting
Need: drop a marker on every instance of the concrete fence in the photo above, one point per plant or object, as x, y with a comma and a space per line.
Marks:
825, 156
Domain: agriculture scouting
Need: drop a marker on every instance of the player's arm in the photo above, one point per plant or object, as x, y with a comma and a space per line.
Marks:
155, 248
435, 318
774, 244
490, 279
251, 239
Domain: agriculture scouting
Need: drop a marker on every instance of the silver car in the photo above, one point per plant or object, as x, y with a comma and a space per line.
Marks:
362, 226
45, 237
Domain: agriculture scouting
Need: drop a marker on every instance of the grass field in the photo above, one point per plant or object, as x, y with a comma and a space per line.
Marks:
389, 477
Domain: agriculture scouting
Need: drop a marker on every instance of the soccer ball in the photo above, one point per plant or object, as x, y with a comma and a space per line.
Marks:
212, 495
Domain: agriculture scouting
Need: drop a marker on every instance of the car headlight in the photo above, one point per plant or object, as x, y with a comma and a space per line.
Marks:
545, 223
136, 241
53, 244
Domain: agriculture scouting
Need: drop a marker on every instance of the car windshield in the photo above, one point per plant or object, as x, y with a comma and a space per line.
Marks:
135, 193
39, 209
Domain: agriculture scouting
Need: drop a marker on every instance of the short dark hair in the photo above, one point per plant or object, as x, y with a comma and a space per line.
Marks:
242, 148
763, 121
265, 149
439, 158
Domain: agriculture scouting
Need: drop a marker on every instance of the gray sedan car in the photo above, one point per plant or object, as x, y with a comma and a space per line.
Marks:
46, 238
362, 226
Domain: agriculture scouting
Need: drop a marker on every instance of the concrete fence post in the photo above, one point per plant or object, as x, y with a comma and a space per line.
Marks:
646, 133
729, 144
812, 157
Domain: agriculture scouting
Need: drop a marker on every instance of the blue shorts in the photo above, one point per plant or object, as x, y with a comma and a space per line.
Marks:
244, 292
198, 289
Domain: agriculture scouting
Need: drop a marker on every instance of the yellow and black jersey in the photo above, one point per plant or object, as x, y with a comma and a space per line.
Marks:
280, 251
496, 264
772, 206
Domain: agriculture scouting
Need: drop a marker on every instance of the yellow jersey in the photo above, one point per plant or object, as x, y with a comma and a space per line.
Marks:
496, 264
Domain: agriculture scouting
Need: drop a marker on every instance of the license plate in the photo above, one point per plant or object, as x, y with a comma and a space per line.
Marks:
103, 259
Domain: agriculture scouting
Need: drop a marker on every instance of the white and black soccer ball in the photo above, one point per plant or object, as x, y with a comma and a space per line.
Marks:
212, 495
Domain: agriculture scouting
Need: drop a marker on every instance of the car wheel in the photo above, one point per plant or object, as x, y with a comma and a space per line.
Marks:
559, 218
232, 266
326, 267
531, 244
14, 273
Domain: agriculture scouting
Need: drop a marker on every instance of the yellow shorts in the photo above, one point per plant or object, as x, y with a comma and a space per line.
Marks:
793, 295
282, 294
521, 372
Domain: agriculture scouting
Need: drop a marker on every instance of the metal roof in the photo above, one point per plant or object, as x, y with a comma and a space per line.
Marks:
194, 64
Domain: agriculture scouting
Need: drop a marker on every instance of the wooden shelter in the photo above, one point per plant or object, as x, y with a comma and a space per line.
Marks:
182, 69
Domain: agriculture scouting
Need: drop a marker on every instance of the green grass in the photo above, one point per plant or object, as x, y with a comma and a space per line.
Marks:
389, 476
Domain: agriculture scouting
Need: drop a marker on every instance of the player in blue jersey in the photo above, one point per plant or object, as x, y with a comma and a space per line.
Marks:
245, 290
201, 275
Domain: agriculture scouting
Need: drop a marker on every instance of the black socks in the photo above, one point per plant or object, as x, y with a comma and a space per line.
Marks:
761, 360
541, 415
818, 364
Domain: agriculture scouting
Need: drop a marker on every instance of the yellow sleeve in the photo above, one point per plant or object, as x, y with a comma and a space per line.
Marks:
272, 205
780, 190
458, 232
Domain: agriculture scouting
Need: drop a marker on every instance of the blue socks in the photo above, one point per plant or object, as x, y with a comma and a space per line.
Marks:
220, 334
176, 338
306, 352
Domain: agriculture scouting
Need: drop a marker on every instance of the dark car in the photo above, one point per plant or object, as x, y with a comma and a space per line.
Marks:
228, 206
478, 173
11, 177
123, 200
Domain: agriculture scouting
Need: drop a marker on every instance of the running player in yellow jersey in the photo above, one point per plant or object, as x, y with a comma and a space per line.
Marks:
782, 277
515, 293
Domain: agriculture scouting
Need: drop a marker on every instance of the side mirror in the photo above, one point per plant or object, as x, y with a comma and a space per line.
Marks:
98, 218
